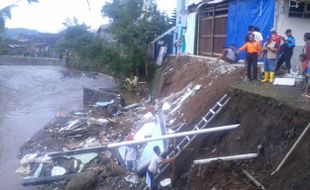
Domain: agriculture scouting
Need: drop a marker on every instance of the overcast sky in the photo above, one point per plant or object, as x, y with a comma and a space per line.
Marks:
48, 15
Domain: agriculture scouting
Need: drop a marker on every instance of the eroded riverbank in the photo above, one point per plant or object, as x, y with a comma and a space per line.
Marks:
29, 97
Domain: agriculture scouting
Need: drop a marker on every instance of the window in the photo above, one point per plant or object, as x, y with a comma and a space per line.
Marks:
307, 7
299, 9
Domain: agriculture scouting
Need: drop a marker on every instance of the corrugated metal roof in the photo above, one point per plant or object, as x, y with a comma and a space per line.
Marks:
164, 34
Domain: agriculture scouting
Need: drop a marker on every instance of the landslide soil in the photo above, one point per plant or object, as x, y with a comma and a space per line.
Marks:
271, 116
264, 121
215, 80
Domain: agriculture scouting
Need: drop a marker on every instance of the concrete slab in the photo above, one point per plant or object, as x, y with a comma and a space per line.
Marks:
284, 81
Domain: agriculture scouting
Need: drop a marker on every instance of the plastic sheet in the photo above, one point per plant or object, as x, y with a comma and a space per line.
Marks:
242, 13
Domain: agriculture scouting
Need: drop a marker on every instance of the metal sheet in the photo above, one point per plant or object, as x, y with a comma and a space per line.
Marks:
152, 129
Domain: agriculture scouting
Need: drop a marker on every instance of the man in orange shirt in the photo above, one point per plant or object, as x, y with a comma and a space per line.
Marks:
254, 50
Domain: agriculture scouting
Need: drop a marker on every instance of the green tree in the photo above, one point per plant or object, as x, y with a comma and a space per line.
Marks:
75, 37
93, 52
135, 23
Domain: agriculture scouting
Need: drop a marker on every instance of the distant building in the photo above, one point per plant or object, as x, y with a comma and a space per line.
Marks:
104, 34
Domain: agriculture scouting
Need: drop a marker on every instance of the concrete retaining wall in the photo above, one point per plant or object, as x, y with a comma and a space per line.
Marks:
22, 60
91, 96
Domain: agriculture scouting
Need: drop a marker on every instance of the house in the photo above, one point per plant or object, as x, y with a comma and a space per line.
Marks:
208, 25
103, 33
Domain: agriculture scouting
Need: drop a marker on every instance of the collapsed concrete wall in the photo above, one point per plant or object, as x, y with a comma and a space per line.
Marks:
22, 60
91, 96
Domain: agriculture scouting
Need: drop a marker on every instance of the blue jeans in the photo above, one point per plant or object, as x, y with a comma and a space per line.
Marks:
269, 65
152, 179
132, 165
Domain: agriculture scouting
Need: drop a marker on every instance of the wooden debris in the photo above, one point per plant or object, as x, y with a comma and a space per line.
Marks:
257, 183
291, 150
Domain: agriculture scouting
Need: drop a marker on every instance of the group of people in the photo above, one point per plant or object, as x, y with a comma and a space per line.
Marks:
274, 52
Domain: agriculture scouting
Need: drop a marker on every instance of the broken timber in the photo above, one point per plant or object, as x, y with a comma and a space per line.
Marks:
125, 143
257, 183
291, 150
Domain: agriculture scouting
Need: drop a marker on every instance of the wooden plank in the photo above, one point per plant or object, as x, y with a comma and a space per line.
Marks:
221, 16
213, 31
208, 18
206, 36
220, 35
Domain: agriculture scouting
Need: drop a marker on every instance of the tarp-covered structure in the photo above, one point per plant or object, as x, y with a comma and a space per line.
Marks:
242, 13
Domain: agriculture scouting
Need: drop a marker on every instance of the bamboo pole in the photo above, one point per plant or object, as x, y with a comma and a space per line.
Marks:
291, 150
257, 183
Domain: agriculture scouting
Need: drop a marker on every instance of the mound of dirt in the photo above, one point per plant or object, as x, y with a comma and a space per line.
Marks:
265, 121
215, 79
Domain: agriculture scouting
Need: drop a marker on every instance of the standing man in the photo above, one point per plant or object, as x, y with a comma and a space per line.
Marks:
131, 155
257, 35
154, 166
250, 31
306, 49
254, 50
288, 49
306, 71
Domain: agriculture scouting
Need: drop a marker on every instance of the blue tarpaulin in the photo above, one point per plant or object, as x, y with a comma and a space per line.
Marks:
242, 13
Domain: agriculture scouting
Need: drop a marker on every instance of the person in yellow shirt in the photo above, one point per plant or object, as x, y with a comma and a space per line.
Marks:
254, 50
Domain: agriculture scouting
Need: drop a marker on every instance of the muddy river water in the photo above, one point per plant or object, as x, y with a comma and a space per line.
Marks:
30, 96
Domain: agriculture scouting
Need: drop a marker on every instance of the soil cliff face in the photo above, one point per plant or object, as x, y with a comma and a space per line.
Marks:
215, 80
263, 121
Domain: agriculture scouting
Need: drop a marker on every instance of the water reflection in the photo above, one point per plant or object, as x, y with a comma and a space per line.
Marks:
30, 96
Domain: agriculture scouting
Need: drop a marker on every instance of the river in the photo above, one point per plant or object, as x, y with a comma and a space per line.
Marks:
30, 96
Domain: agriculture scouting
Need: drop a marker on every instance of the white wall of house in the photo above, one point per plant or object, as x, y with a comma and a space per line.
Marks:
190, 33
299, 26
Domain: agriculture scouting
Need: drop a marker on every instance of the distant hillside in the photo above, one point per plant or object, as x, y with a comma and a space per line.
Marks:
14, 32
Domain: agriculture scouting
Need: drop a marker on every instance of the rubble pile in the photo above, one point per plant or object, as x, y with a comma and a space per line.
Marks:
96, 126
